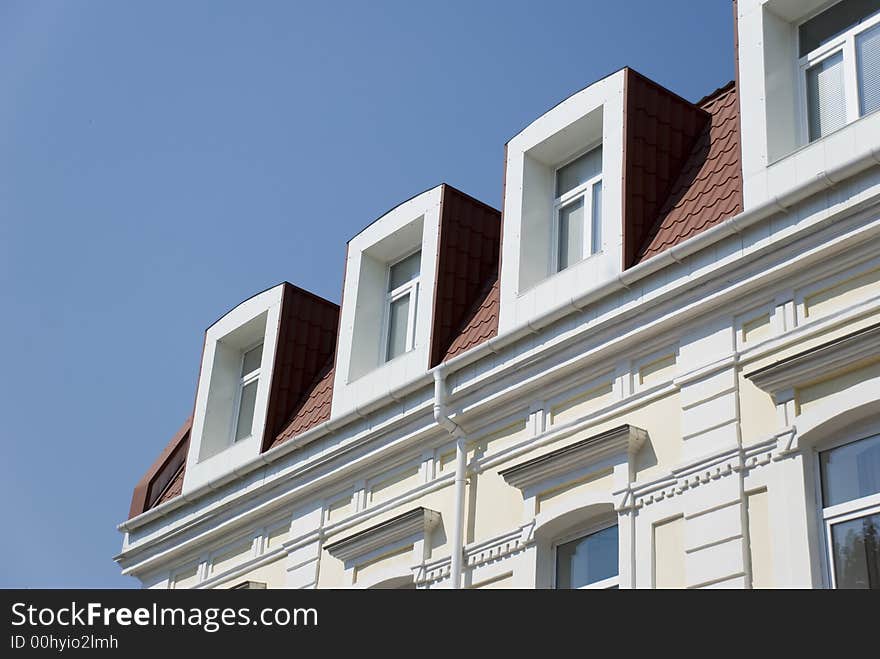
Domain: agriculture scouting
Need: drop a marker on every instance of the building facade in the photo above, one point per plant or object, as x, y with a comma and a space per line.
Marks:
658, 366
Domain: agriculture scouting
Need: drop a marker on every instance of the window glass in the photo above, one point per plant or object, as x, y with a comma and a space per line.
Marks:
596, 237
252, 359
856, 548
851, 471
868, 62
578, 171
825, 96
398, 320
571, 233
404, 271
587, 560
834, 20
245, 424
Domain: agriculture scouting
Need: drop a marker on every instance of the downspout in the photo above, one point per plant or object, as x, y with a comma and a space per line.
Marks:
441, 416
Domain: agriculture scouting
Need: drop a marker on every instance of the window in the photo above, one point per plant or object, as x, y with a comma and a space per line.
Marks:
839, 53
588, 561
247, 392
400, 306
577, 210
850, 476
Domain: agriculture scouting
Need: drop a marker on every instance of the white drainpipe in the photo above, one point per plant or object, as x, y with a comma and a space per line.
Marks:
441, 416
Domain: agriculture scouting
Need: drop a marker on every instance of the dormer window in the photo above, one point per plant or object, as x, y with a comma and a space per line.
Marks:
577, 210
839, 52
247, 392
401, 301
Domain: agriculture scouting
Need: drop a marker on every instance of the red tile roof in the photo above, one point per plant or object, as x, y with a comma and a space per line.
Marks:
683, 170
660, 129
468, 252
175, 487
481, 322
708, 189
164, 478
306, 343
313, 409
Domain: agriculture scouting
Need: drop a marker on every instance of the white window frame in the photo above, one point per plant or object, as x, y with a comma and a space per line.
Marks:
410, 288
585, 191
583, 532
843, 43
243, 381
842, 512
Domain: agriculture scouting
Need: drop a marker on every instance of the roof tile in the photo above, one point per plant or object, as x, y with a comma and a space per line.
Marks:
709, 188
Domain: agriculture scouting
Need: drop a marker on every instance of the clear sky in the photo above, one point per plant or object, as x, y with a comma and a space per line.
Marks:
160, 161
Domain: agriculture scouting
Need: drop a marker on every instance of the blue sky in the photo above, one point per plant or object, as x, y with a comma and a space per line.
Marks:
161, 161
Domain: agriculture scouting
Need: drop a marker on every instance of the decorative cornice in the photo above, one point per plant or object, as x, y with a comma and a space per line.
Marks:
818, 362
712, 468
623, 441
475, 555
417, 521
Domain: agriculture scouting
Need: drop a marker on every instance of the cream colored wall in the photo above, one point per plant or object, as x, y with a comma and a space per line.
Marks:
557, 497
400, 559
669, 553
812, 395
332, 571
760, 539
494, 507
757, 412
228, 558
496, 583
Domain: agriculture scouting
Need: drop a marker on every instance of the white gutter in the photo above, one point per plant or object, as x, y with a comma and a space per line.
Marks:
623, 281
441, 416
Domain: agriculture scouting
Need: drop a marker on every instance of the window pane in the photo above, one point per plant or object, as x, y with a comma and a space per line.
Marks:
587, 560
245, 424
868, 58
398, 320
857, 552
571, 234
833, 21
825, 96
851, 471
578, 171
596, 235
404, 271
251, 361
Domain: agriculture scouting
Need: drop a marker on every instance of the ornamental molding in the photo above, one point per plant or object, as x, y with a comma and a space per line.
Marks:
477, 555
416, 522
726, 463
819, 362
623, 441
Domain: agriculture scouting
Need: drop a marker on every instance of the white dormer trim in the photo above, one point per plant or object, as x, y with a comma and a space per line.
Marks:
212, 451
530, 285
776, 157
362, 373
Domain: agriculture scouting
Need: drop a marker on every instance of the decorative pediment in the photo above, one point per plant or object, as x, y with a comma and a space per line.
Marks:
415, 523
820, 362
623, 441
